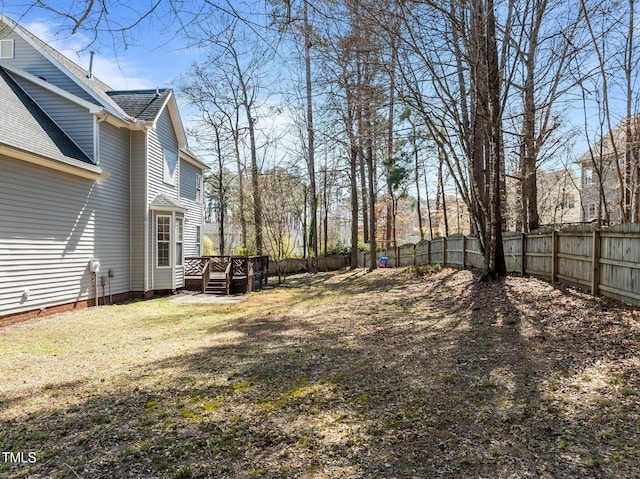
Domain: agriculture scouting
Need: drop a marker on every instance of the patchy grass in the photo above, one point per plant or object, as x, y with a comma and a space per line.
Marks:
345, 375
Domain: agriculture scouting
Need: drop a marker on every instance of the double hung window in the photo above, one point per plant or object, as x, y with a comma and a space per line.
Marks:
163, 238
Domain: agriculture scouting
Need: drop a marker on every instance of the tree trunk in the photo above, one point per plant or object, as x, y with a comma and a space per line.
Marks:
417, 178
313, 234
372, 201
221, 190
497, 265
240, 166
354, 205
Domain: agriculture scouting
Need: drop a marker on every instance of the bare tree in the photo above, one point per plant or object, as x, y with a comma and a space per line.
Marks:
241, 60
283, 194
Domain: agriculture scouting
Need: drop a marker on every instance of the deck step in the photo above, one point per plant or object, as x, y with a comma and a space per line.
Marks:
216, 287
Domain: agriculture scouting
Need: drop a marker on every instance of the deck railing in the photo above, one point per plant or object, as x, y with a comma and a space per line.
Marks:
244, 273
196, 273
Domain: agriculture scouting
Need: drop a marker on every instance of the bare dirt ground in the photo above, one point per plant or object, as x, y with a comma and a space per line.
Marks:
338, 375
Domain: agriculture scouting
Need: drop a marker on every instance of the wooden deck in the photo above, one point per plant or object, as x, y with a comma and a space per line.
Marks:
226, 274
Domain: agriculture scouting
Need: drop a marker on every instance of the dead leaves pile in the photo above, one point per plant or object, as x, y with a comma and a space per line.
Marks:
364, 375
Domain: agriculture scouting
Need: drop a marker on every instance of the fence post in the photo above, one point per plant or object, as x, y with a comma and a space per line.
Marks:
523, 254
444, 251
595, 263
554, 256
428, 252
464, 250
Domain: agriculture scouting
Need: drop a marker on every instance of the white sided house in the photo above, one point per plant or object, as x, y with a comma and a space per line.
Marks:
100, 198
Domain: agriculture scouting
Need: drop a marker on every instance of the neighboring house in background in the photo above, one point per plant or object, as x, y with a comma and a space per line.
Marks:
558, 197
600, 178
88, 176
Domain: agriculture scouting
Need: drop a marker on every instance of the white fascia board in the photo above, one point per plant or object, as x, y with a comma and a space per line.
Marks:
98, 110
76, 168
17, 29
176, 121
91, 107
190, 158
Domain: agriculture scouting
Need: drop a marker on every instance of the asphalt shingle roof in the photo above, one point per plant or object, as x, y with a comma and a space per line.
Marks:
164, 202
141, 104
25, 126
99, 88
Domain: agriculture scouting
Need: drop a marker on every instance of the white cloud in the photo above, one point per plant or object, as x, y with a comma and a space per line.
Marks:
121, 72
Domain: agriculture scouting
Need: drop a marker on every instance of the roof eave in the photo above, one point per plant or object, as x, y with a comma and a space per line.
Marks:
18, 29
176, 120
192, 159
92, 107
72, 167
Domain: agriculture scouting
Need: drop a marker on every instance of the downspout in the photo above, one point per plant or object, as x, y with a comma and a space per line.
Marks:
172, 250
146, 214
99, 118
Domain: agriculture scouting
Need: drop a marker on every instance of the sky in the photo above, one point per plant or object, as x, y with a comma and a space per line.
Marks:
155, 56
155, 59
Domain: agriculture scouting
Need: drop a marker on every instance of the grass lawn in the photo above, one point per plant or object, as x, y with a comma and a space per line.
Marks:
338, 375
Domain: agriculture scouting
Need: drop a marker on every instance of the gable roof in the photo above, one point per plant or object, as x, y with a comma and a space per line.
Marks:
143, 105
132, 108
26, 130
89, 83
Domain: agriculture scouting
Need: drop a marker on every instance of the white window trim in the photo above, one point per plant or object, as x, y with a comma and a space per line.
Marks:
199, 188
588, 177
7, 41
167, 177
179, 219
158, 266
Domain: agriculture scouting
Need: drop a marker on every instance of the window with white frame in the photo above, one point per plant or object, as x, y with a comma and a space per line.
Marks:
6, 48
179, 231
588, 177
198, 240
170, 167
592, 210
198, 187
163, 240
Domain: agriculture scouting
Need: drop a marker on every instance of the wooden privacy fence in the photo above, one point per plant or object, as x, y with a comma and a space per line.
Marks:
604, 262
299, 265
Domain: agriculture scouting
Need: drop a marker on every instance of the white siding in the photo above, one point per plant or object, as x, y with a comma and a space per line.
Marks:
195, 215
112, 207
161, 142
76, 121
52, 224
47, 228
28, 59
139, 210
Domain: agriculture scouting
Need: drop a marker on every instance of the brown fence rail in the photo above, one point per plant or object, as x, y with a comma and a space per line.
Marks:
604, 262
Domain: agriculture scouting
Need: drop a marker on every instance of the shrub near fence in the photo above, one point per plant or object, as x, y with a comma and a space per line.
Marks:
604, 262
